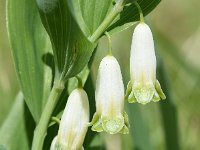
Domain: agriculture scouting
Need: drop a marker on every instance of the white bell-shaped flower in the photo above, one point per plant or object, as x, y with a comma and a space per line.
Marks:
74, 122
110, 115
144, 85
53, 144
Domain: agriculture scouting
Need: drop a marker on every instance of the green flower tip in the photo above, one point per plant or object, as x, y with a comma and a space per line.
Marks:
144, 93
111, 125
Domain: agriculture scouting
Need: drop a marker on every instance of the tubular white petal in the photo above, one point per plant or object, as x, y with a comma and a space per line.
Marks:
109, 97
74, 122
53, 144
109, 87
143, 60
143, 65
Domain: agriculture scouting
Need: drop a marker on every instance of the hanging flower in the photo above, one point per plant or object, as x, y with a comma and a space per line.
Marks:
53, 144
143, 87
110, 115
74, 122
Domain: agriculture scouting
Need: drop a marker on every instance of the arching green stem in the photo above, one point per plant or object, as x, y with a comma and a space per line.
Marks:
80, 83
140, 11
109, 43
57, 120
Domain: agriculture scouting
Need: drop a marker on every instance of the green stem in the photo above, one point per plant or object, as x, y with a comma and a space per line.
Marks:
40, 131
140, 11
107, 21
80, 83
57, 120
168, 111
109, 43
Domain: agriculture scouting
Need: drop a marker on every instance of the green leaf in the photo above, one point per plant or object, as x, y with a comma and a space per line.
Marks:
91, 14
131, 14
30, 43
17, 128
71, 48
168, 112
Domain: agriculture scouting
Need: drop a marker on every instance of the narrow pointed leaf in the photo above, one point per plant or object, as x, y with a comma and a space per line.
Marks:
15, 131
30, 43
169, 113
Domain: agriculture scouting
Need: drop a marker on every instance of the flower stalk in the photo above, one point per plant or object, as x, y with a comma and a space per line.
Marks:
109, 43
140, 12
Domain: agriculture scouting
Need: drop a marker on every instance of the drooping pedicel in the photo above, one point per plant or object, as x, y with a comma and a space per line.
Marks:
143, 87
74, 122
110, 115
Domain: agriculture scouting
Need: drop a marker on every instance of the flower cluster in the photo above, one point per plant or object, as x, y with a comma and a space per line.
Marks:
110, 115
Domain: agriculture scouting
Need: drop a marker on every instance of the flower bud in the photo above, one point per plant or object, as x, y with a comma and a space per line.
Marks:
110, 115
144, 85
74, 122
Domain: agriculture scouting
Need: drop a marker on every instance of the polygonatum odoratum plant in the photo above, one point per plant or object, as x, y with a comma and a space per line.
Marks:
53, 46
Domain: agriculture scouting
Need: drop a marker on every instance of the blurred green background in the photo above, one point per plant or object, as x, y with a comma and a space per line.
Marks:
176, 29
